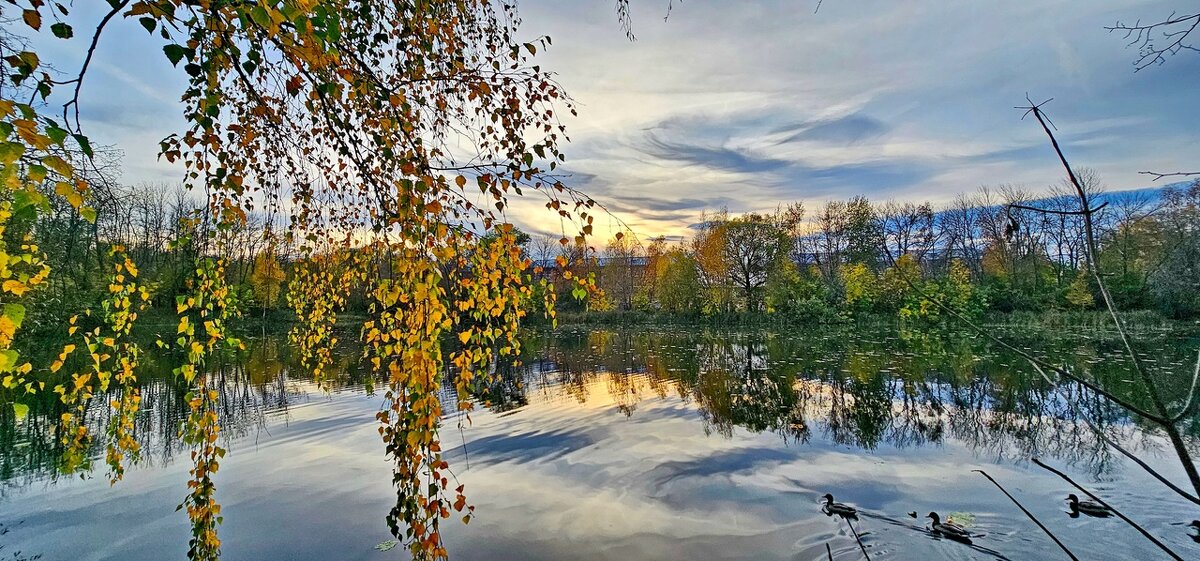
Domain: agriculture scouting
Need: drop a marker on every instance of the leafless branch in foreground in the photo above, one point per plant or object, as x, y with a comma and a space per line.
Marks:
1159, 175
1111, 443
1165, 419
1135, 525
1156, 41
1028, 514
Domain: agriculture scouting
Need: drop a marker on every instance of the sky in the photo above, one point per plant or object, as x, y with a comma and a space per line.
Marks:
745, 105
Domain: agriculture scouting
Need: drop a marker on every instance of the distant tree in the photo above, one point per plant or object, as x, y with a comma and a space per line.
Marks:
648, 291
908, 228
864, 237
618, 276
894, 287
1079, 292
1175, 284
708, 249
860, 287
678, 278
752, 244
829, 241
267, 279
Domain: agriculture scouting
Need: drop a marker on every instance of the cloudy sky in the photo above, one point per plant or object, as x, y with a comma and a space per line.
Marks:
746, 104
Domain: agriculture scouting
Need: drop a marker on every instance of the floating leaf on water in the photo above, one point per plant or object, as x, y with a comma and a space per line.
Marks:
964, 519
387, 545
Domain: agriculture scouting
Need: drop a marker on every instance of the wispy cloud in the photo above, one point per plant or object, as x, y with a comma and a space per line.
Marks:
746, 105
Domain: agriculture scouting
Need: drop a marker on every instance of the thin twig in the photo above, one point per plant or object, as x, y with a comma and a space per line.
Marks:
87, 61
1143, 36
1158, 175
1191, 399
1059, 212
1167, 424
1028, 514
1141, 464
828, 551
858, 539
1100, 434
1135, 525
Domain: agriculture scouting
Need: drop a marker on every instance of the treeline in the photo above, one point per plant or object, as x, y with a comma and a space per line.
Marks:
998, 249
157, 226
985, 251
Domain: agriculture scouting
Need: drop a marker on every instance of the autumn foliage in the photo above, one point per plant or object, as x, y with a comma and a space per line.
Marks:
346, 116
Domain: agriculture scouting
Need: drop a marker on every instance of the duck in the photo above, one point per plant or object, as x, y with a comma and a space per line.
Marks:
1089, 508
839, 509
949, 529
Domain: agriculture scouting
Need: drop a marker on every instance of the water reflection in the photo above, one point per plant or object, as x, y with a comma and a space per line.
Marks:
905, 389
616, 424
250, 386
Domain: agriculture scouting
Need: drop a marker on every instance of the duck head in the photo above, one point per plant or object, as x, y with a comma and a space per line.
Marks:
1074, 499
934, 516
828, 498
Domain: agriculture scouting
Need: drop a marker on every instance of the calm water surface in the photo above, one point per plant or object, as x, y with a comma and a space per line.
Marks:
650, 443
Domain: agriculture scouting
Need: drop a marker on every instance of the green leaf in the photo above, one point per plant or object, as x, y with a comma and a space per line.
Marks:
260, 16
8, 359
62, 30
149, 23
26, 198
10, 152
84, 144
37, 173
88, 213
15, 312
174, 54
21, 410
56, 134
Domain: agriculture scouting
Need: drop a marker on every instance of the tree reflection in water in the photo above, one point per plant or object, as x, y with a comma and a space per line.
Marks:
899, 389
252, 385
863, 389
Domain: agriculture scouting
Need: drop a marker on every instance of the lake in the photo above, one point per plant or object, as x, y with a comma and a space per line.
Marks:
656, 443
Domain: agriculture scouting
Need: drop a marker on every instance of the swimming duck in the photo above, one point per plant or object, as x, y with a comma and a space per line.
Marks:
839, 509
1089, 508
949, 529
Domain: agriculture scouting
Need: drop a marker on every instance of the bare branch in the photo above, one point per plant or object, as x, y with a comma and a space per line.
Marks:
1060, 212
1154, 49
1158, 175
1114, 511
1191, 395
626, 19
1028, 514
87, 61
1100, 434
